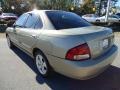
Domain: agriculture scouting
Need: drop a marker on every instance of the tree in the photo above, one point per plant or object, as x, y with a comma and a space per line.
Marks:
54, 4
18, 9
87, 7
104, 2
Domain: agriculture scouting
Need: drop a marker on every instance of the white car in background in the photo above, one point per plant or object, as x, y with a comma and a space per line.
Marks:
111, 19
90, 17
94, 18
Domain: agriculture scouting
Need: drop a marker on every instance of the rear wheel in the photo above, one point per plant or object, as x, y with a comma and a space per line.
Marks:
10, 44
42, 64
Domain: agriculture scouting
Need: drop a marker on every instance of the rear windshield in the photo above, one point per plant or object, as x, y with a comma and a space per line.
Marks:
66, 20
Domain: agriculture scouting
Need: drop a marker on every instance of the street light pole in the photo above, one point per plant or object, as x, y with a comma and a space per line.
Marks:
74, 3
107, 12
100, 3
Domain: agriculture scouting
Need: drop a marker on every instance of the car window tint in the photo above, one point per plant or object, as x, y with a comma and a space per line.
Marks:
31, 21
21, 20
39, 24
66, 20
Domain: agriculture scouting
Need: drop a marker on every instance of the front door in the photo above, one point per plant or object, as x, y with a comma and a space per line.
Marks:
28, 36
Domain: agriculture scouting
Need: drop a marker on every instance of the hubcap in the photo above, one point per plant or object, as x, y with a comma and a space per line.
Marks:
41, 64
8, 41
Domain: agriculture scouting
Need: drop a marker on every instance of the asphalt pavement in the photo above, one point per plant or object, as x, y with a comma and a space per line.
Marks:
18, 72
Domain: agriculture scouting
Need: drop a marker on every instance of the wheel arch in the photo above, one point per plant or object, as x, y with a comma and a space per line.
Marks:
37, 49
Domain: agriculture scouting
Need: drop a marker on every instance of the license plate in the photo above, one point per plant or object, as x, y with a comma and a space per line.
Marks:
105, 43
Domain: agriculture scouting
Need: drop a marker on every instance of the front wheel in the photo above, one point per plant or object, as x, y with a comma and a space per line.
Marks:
42, 64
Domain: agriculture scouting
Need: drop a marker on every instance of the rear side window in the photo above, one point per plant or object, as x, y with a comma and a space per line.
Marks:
66, 20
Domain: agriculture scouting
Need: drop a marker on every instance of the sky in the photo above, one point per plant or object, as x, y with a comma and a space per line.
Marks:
118, 3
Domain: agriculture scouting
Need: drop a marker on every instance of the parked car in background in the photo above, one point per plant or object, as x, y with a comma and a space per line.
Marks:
115, 16
8, 18
90, 18
118, 14
111, 19
63, 42
96, 19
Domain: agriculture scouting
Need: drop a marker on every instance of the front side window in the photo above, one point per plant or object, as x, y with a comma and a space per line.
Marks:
21, 20
66, 20
31, 21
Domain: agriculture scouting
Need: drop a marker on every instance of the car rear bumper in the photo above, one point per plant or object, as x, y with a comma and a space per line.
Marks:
85, 69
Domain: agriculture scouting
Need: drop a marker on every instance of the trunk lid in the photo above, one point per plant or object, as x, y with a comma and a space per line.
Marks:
99, 42
99, 39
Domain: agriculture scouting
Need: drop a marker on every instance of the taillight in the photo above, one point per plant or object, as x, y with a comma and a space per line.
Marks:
81, 52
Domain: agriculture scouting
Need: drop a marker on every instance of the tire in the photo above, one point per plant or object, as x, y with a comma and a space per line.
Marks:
42, 64
10, 44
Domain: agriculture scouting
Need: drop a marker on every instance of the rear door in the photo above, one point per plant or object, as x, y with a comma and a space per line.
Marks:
28, 35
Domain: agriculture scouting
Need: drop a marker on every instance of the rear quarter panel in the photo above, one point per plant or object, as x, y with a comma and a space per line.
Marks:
58, 46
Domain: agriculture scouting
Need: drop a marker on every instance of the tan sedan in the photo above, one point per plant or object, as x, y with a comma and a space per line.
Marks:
63, 42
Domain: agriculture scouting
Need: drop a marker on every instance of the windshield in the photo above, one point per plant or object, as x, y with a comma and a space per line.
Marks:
95, 16
66, 20
114, 16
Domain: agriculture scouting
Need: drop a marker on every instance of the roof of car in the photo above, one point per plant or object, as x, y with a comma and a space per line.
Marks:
35, 10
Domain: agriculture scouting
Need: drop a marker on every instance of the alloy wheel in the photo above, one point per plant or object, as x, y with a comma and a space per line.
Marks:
41, 64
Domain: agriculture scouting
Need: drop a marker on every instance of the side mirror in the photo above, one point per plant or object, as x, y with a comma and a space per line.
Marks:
10, 25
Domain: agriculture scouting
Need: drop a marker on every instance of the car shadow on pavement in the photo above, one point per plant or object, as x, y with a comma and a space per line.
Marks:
109, 80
